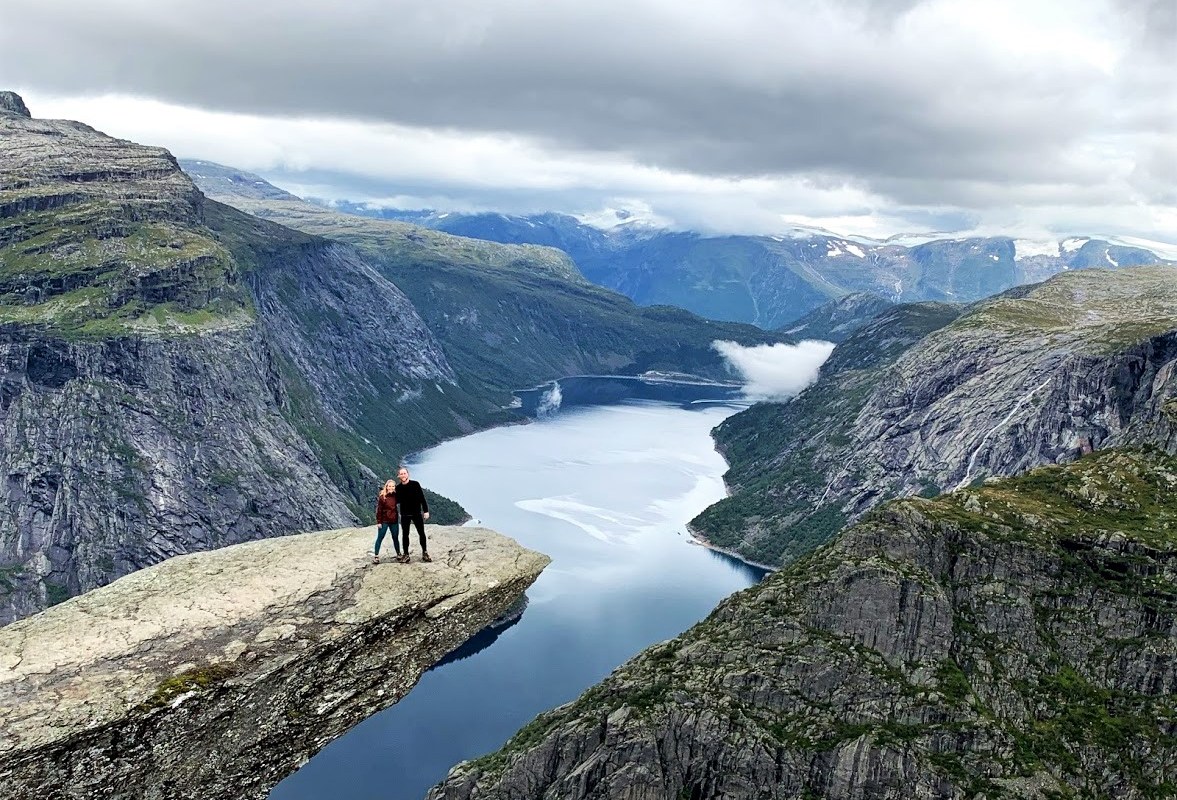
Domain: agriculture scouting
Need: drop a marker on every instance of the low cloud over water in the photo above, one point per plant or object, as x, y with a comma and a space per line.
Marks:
776, 371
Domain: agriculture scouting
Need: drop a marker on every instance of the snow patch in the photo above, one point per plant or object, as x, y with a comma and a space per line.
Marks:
1111, 260
1073, 244
854, 249
1024, 248
1162, 249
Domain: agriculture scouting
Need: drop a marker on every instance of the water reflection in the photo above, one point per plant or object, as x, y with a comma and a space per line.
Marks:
607, 492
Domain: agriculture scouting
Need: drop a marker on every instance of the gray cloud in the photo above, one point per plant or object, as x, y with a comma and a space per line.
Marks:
884, 93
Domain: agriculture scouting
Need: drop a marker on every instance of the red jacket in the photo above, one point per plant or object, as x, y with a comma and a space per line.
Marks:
386, 508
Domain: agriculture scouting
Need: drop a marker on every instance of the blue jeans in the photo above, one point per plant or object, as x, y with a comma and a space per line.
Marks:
389, 528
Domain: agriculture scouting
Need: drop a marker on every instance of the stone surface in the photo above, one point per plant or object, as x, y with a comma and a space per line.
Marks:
215, 674
1017, 640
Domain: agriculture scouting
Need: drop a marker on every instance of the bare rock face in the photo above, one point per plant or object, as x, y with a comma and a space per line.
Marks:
1016, 640
928, 397
216, 674
177, 376
14, 103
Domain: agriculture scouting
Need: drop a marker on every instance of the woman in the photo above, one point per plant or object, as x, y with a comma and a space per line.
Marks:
386, 519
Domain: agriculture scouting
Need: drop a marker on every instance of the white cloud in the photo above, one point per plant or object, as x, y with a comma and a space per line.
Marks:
729, 116
776, 371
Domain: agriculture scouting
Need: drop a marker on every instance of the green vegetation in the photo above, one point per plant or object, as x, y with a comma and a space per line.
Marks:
783, 455
89, 270
1105, 311
194, 679
507, 316
55, 593
1125, 492
10, 576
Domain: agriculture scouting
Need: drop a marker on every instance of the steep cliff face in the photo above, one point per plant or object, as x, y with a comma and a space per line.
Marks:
927, 398
214, 675
507, 316
177, 375
1017, 640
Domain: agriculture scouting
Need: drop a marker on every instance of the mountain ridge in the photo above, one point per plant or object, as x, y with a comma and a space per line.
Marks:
926, 398
773, 280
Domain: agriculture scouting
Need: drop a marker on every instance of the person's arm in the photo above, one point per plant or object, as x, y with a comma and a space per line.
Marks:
424, 505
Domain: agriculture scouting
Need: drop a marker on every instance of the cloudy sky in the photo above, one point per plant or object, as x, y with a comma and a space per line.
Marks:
863, 116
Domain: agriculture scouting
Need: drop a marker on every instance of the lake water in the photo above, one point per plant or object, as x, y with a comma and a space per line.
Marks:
606, 492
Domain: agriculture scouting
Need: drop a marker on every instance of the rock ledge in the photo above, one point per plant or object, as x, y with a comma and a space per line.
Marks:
216, 674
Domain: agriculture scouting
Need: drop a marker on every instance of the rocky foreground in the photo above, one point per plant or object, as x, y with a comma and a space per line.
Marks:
1016, 640
216, 674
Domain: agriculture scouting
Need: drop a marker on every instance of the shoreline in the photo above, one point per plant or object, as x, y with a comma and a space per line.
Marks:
700, 540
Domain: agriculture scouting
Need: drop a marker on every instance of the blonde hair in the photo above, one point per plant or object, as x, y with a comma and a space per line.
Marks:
384, 488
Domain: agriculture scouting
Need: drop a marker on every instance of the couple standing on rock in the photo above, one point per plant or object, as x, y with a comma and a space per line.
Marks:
414, 510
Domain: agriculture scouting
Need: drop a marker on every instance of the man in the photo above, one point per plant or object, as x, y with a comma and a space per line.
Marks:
414, 509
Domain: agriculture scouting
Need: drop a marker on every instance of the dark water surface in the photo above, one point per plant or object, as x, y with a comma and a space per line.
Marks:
606, 492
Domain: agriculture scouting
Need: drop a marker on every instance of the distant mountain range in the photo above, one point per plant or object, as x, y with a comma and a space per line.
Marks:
770, 281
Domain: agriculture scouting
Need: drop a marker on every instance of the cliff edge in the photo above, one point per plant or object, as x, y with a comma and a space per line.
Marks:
216, 674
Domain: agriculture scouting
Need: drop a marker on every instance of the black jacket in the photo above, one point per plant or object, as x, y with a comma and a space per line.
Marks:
411, 498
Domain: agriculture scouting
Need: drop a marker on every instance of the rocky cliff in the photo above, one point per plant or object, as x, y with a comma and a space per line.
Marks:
216, 674
927, 398
507, 316
836, 320
176, 375
1016, 640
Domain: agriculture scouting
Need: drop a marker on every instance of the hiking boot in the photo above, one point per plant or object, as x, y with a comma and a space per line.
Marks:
425, 557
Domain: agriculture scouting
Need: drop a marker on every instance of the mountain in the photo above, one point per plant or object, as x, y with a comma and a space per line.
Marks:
772, 281
1015, 640
180, 376
929, 397
507, 316
836, 320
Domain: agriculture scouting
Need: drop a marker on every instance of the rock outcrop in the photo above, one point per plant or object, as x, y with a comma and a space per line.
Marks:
215, 674
931, 397
176, 375
1016, 640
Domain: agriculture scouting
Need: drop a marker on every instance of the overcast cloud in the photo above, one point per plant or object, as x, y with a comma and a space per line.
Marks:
734, 115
